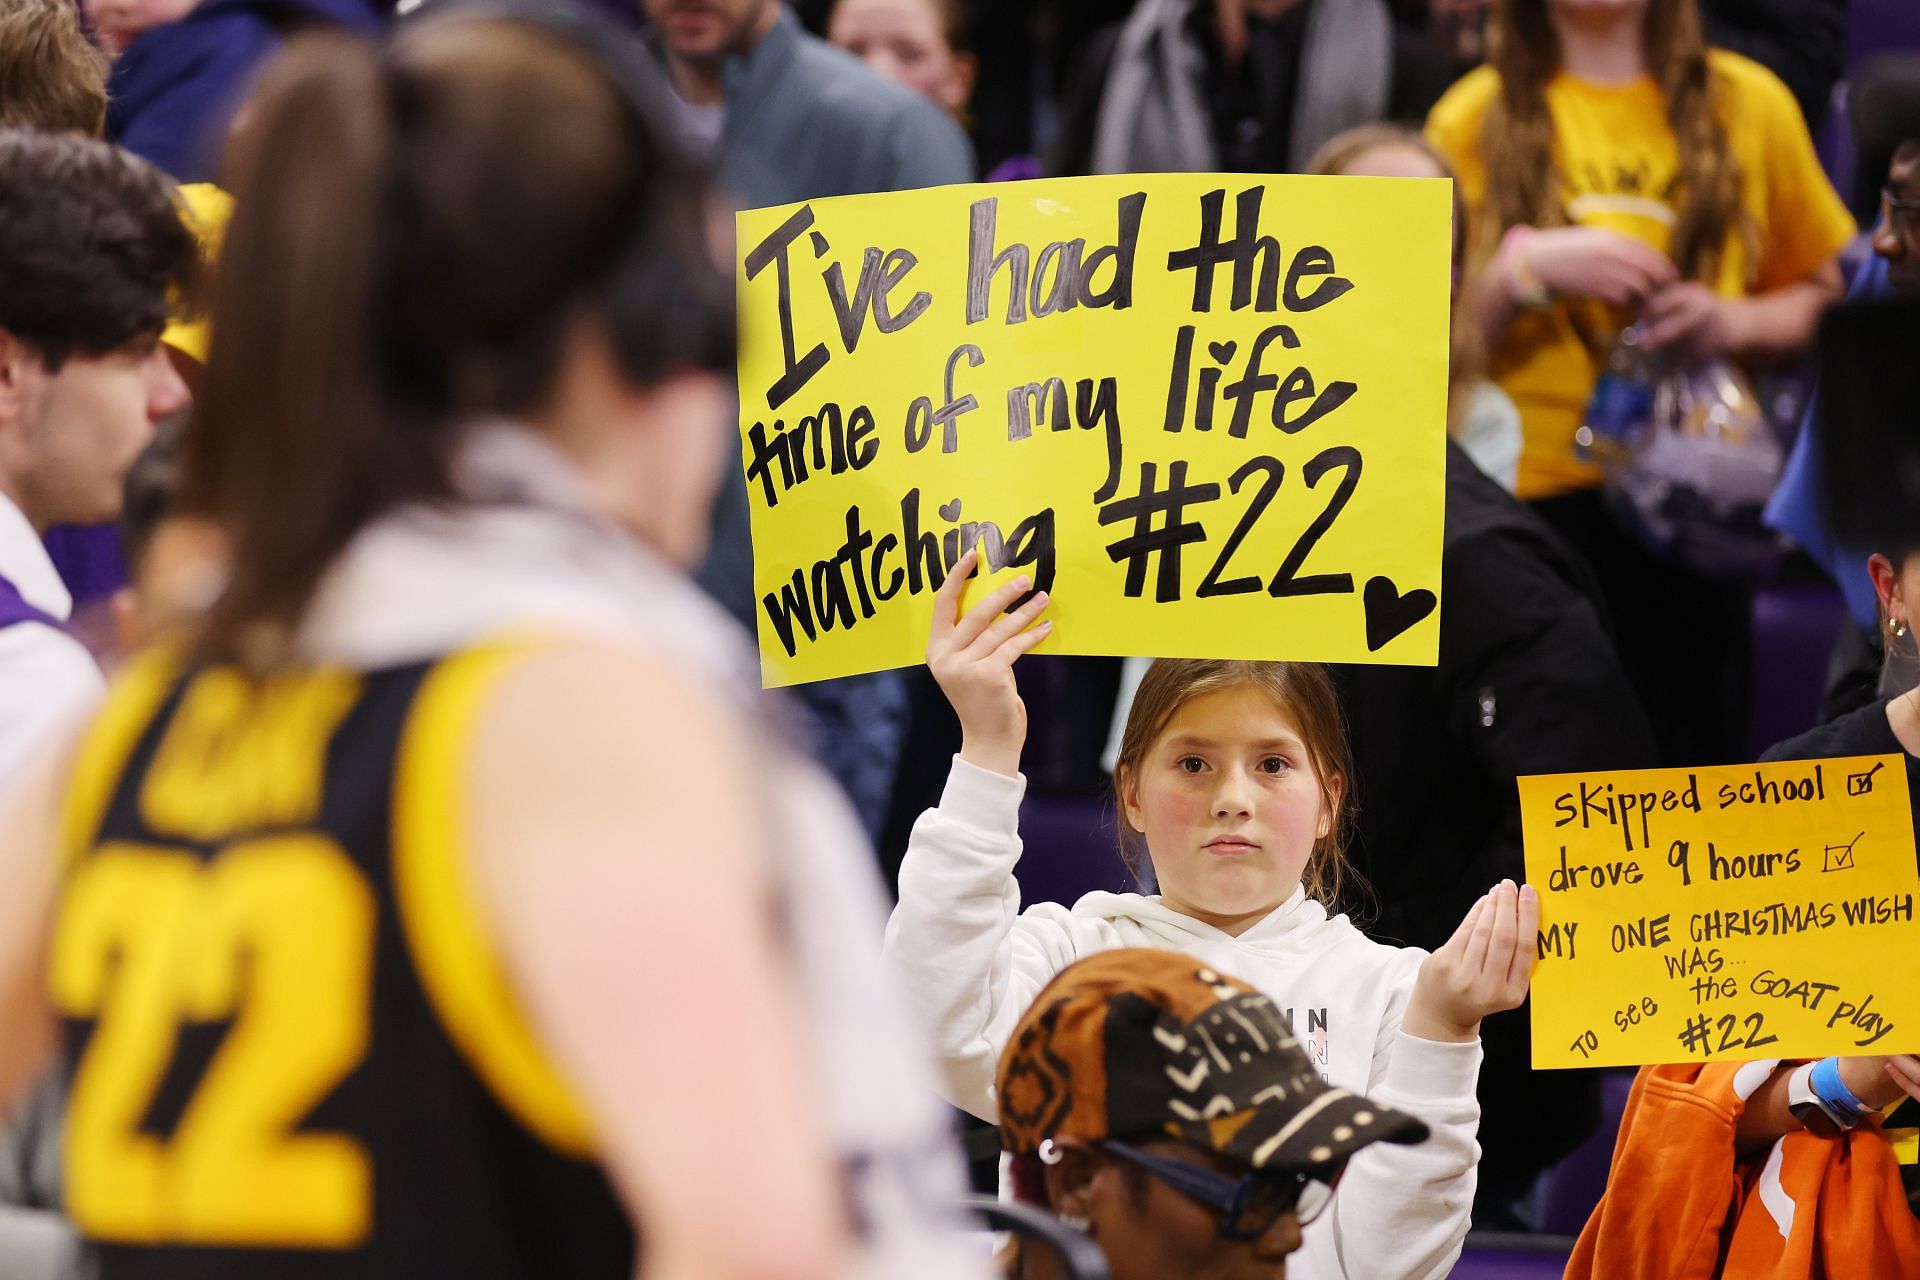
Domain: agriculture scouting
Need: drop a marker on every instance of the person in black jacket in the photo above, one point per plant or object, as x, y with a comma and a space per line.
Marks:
1527, 683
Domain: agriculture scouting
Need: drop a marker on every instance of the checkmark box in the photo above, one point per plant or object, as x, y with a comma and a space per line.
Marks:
1860, 784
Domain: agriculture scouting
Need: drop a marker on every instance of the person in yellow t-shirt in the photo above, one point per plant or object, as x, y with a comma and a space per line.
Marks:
1615, 169
1659, 178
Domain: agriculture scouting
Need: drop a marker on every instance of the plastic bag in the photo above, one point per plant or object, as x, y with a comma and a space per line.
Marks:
1689, 459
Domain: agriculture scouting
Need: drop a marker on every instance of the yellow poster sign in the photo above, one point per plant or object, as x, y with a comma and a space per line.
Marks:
1205, 412
1749, 911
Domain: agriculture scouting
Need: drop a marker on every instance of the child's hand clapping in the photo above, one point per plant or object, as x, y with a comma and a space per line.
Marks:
972, 659
1483, 968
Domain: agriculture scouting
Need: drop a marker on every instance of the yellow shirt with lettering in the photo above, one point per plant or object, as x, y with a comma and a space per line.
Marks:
1619, 165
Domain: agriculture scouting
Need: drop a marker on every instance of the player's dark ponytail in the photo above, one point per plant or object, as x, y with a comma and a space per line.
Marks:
289, 450
416, 233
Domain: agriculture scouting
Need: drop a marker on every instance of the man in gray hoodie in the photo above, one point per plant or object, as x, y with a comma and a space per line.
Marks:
794, 118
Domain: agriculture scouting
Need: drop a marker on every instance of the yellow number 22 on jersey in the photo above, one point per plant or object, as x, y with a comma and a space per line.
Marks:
275, 935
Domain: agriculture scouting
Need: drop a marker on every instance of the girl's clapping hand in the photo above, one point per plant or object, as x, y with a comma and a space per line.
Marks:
1484, 968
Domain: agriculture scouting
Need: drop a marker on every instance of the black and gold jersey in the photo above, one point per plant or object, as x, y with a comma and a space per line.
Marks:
291, 1050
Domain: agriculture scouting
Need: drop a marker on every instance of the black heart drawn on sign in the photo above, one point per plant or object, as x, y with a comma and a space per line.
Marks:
1221, 351
951, 510
1389, 613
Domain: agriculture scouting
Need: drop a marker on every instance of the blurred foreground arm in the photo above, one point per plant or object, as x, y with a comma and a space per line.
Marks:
620, 858
29, 824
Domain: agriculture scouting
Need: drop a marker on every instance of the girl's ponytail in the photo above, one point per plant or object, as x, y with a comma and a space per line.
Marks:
417, 234
290, 453
1523, 182
1709, 180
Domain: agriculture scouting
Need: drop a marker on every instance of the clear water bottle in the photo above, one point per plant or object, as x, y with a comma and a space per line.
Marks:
1620, 410
1695, 489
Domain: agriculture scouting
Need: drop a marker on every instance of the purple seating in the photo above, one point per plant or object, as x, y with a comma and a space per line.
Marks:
1512, 1257
1570, 1189
1873, 27
1794, 629
1838, 155
1881, 26
1071, 848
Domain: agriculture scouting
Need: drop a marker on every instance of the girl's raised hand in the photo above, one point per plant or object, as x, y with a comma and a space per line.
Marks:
972, 658
1483, 968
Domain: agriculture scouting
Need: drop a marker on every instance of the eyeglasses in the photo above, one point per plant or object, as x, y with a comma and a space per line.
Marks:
1249, 1205
1906, 213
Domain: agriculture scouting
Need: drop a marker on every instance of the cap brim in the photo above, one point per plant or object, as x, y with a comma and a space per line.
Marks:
1328, 1127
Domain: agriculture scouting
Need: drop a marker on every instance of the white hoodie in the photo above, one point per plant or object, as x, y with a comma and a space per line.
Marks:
974, 961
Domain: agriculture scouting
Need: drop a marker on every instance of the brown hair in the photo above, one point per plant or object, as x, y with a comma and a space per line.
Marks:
414, 237
1524, 183
91, 245
1302, 690
52, 78
1466, 346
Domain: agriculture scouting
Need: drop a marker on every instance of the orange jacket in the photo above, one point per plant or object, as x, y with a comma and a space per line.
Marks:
1680, 1207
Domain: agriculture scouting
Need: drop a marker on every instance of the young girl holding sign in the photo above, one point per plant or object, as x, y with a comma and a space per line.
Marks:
1234, 778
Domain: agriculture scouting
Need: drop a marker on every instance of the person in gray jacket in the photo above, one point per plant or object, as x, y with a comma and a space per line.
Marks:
794, 118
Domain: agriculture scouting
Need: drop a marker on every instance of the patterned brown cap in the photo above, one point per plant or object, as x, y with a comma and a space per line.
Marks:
1135, 1043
